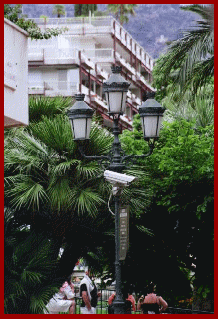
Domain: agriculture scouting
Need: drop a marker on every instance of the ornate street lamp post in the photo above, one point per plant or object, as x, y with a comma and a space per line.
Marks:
151, 113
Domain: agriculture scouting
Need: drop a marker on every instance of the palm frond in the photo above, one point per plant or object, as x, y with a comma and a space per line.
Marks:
26, 275
89, 170
26, 193
196, 46
31, 277
85, 201
46, 106
59, 192
199, 107
56, 133
100, 140
145, 230
26, 155
205, 11
63, 167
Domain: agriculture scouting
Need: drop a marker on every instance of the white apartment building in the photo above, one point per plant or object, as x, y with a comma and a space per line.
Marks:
79, 60
16, 111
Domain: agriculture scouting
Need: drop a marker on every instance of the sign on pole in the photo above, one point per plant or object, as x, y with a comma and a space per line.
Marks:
124, 231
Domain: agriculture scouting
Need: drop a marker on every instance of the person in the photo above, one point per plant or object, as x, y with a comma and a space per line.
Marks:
131, 298
151, 303
110, 303
62, 301
89, 294
129, 302
76, 283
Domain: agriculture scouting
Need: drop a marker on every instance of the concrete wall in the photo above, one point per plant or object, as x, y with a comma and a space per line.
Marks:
15, 75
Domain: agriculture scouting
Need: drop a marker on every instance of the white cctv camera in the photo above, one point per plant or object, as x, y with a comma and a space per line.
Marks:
118, 179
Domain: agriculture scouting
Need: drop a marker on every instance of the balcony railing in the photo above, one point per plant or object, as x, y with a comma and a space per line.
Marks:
95, 21
99, 53
61, 53
53, 88
125, 63
47, 54
90, 25
35, 54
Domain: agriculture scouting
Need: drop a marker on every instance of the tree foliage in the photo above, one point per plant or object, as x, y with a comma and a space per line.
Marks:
59, 10
14, 14
181, 169
189, 60
28, 265
83, 9
54, 190
122, 11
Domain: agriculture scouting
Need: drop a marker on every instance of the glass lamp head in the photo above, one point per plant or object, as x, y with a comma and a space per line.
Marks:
116, 88
80, 116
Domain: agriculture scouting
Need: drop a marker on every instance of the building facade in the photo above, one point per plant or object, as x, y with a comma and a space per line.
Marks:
16, 112
80, 60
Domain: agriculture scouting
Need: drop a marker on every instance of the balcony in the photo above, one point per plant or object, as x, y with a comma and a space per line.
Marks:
86, 62
125, 64
141, 79
98, 25
136, 100
101, 74
127, 40
53, 56
126, 121
53, 88
100, 55
61, 56
36, 89
35, 54
78, 25
96, 99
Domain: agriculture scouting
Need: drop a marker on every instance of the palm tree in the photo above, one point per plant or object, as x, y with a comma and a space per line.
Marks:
59, 9
45, 18
190, 59
122, 11
28, 266
54, 189
198, 107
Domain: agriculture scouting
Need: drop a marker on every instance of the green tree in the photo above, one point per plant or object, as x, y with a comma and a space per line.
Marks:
59, 10
14, 14
182, 172
28, 265
122, 11
77, 9
189, 60
199, 107
83, 9
55, 190
45, 18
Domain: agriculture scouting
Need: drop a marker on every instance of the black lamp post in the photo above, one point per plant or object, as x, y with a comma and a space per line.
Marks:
151, 113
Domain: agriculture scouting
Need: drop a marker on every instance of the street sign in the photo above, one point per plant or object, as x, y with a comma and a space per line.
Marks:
124, 231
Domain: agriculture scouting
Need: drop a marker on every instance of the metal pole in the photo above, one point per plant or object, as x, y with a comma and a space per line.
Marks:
117, 166
118, 302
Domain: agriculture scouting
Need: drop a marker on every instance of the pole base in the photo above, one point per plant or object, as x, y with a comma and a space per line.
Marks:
119, 307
